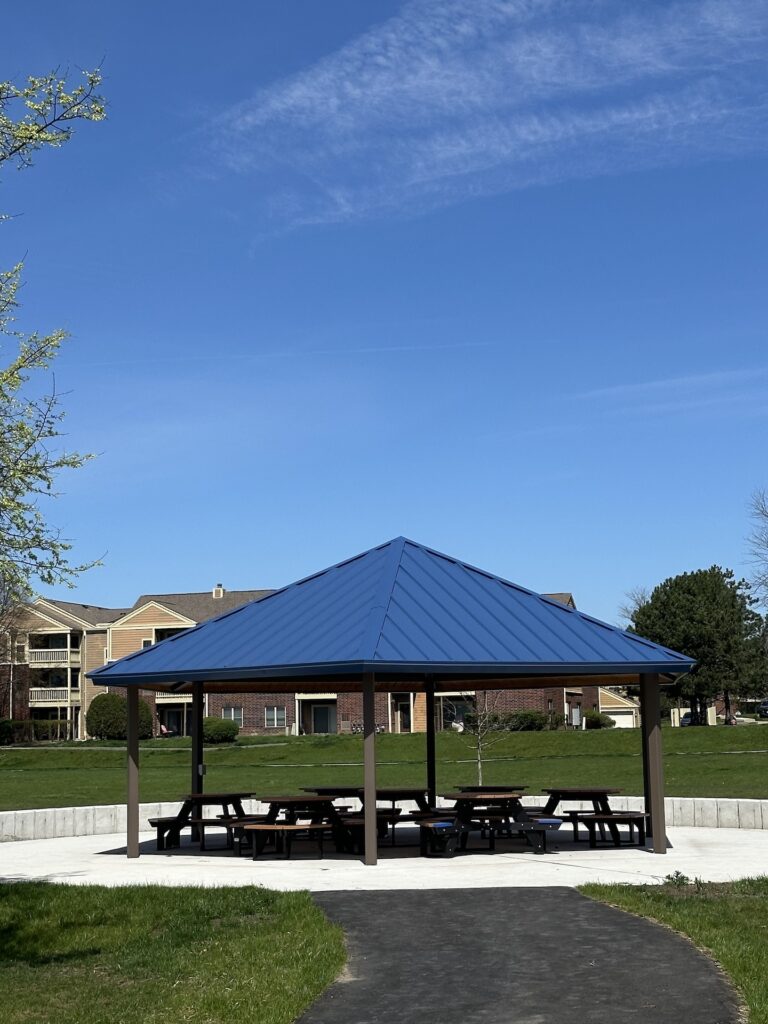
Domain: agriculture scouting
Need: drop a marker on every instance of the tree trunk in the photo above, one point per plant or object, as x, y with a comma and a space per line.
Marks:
479, 749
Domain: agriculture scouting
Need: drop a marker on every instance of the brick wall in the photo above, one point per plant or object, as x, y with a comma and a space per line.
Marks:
253, 705
349, 710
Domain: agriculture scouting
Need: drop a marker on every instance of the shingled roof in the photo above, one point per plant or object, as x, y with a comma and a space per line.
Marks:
90, 613
201, 606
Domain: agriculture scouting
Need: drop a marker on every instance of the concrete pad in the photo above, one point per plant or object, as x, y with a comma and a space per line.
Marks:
711, 854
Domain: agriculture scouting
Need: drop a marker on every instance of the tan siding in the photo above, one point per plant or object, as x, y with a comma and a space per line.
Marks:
152, 616
126, 641
419, 712
29, 621
92, 655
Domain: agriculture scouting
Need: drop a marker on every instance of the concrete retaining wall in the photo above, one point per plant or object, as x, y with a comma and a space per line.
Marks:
59, 822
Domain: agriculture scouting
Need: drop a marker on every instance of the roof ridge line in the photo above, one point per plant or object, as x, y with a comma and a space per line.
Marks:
380, 606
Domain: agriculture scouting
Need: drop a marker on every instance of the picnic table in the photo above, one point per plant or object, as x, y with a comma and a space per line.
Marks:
497, 811
469, 804
500, 788
169, 829
316, 808
596, 795
393, 794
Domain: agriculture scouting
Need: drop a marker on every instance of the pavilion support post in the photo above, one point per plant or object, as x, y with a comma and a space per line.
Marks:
369, 768
653, 763
198, 766
429, 690
132, 800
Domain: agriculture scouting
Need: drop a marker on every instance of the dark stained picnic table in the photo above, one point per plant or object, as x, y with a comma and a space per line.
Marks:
317, 808
193, 804
393, 794
598, 795
470, 804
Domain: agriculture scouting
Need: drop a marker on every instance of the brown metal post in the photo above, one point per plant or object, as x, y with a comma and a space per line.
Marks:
653, 762
132, 799
198, 767
369, 768
429, 689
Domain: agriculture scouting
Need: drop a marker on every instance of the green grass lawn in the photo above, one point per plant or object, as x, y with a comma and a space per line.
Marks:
712, 762
145, 955
729, 921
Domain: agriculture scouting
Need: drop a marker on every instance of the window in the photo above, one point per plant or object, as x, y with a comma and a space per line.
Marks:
233, 714
274, 717
145, 644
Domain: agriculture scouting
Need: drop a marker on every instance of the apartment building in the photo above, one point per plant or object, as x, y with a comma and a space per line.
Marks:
57, 642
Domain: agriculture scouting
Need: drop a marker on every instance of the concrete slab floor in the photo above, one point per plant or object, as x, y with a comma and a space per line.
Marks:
711, 854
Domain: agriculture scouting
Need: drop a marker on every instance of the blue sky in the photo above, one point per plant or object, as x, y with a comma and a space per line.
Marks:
489, 275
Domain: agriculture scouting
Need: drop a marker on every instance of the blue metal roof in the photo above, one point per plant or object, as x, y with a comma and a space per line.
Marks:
399, 608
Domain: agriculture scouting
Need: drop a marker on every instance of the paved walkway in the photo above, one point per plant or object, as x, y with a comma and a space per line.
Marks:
513, 956
712, 854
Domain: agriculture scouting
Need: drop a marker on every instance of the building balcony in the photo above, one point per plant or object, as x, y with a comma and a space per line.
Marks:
45, 657
53, 695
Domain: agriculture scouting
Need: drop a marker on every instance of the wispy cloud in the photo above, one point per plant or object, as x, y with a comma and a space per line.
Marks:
743, 390
687, 383
449, 100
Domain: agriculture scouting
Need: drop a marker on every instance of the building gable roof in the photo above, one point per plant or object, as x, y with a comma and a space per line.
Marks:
83, 614
398, 608
198, 607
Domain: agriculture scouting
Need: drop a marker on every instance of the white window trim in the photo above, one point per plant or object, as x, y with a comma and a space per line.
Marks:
275, 708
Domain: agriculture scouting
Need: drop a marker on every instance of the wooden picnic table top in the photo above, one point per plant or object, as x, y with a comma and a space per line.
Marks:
490, 789
587, 791
333, 790
382, 792
486, 796
216, 798
296, 798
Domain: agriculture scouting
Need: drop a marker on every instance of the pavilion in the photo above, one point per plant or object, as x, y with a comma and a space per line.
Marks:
398, 617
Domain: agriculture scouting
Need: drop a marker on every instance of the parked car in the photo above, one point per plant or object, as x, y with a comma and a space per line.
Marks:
686, 719
762, 709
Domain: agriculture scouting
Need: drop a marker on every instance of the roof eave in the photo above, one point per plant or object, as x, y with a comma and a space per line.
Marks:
106, 676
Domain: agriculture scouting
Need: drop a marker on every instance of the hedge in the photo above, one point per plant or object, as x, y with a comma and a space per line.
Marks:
597, 720
107, 718
219, 730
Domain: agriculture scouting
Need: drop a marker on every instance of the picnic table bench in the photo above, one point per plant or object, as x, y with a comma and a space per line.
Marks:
284, 833
636, 820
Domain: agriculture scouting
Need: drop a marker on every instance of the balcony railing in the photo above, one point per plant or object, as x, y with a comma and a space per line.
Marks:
49, 695
173, 698
48, 655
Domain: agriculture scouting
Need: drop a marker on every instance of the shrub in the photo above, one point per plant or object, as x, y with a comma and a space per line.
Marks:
6, 732
527, 721
596, 720
50, 728
107, 718
219, 730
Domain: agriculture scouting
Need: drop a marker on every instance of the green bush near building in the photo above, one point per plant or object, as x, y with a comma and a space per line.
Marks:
107, 718
219, 730
596, 720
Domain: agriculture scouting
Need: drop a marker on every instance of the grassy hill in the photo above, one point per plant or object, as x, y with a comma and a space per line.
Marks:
715, 761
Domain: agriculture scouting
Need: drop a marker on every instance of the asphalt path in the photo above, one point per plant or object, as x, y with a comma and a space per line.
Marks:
513, 956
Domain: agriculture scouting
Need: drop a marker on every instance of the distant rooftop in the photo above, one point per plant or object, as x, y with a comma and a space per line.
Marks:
203, 605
